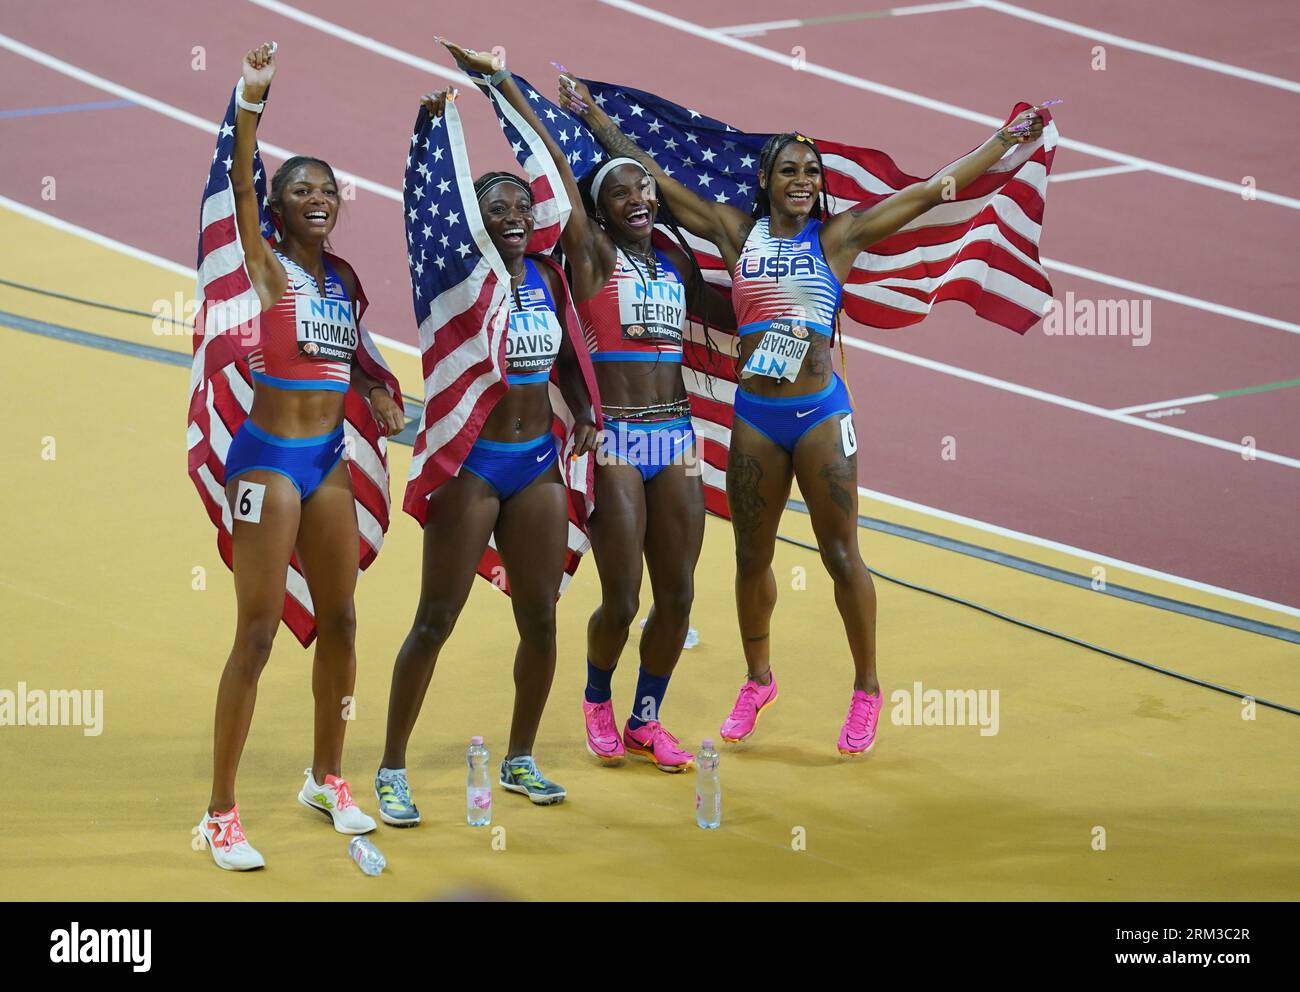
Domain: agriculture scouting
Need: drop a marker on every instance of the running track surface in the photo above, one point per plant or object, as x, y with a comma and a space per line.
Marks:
1161, 501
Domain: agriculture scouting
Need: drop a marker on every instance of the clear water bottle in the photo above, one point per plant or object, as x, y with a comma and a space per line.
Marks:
366, 855
708, 788
478, 788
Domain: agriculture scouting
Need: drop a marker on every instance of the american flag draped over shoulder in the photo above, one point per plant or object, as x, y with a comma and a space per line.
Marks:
981, 247
226, 329
460, 288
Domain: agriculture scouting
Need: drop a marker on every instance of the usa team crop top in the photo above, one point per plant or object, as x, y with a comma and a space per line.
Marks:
307, 340
533, 334
639, 314
784, 288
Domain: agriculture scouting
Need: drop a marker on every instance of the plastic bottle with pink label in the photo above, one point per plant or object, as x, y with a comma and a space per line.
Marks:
478, 789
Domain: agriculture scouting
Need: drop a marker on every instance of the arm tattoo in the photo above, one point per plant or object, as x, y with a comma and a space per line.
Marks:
841, 480
744, 475
617, 143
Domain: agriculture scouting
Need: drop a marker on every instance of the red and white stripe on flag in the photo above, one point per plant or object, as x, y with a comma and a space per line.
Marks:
221, 390
463, 340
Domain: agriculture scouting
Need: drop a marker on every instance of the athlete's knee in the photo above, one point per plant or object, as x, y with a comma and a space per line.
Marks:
537, 626
842, 560
337, 626
433, 625
619, 609
674, 605
753, 560
253, 642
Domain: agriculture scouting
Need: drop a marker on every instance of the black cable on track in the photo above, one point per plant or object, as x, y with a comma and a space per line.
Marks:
94, 303
1058, 635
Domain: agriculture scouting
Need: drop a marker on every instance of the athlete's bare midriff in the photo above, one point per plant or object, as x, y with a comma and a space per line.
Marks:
522, 414
296, 412
628, 388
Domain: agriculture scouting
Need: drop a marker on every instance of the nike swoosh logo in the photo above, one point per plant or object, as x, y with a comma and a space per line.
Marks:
542, 458
800, 414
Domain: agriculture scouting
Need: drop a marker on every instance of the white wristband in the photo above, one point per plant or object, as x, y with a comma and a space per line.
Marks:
255, 108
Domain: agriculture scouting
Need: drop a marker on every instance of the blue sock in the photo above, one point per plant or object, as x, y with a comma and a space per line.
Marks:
650, 691
598, 690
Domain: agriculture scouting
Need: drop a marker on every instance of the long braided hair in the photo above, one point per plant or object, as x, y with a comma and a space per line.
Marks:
821, 209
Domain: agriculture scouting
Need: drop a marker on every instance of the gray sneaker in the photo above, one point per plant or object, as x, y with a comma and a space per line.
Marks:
521, 775
394, 795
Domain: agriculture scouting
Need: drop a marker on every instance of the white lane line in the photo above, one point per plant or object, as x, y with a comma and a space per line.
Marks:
31, 213
147, 256
175, 113
1156, 292
749, 30
907, 96
1069, 549
1158, 51
929, 8
338, 31
762, 27
1105, 170
371, 44
1062, 401
401, 346
1161, 404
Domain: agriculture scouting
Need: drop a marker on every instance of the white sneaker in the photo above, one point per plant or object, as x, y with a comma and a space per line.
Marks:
225, 839
334, 799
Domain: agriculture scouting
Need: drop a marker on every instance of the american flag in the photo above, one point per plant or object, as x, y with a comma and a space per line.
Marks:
226, 329
981, 247
460, 289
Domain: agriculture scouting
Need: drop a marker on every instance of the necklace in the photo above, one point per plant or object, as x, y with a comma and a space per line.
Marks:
647, 259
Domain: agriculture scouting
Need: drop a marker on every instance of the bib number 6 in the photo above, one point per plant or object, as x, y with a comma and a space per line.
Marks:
847, 438
248, 502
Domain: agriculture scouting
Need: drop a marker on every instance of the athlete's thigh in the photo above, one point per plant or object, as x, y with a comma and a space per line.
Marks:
329, 545
462, 513
618, 526
265, 511
674, 525
758, 483
532, 535
826, 465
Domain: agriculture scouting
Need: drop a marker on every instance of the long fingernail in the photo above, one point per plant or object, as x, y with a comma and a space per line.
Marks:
1050, 103
558, 66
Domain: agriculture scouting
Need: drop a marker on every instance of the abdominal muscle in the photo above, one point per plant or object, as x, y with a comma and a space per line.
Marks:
522, 414
296, 412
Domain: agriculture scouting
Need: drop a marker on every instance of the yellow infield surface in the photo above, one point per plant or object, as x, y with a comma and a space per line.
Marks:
112, 582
